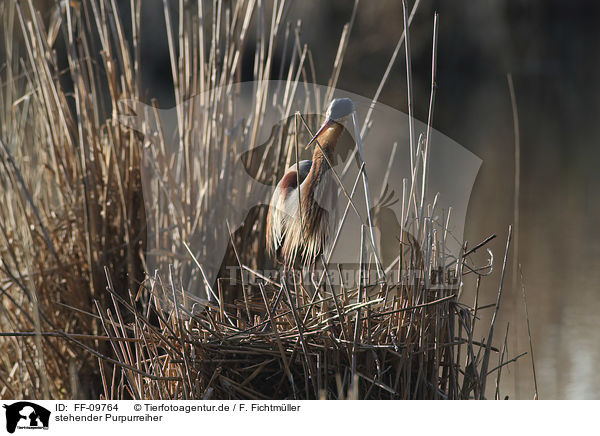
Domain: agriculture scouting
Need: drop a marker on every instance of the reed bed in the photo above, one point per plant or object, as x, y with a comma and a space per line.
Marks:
82, 315
280, 343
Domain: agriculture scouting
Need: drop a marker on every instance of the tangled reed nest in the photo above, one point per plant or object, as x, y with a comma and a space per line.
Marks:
373, 342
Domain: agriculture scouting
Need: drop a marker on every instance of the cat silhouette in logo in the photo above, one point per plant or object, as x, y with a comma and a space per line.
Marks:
30, 412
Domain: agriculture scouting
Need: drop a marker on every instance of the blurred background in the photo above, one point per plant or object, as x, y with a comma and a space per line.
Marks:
550, 47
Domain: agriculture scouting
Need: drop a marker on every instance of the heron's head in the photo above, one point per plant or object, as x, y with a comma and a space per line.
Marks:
338, 111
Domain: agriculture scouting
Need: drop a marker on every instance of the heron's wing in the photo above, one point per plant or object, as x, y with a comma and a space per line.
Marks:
284, 204
304, 167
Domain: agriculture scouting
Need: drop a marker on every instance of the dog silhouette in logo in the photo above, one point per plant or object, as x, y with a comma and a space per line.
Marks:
197, 198
30, 412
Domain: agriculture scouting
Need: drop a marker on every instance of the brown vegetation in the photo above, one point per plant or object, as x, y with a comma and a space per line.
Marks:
78, 315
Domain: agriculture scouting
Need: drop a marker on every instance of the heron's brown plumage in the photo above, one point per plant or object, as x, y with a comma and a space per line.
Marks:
289, 181
294, 240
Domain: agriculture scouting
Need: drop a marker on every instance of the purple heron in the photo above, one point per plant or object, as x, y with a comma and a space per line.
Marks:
300, 219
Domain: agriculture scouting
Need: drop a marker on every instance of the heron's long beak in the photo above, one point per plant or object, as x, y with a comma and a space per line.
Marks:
324, 127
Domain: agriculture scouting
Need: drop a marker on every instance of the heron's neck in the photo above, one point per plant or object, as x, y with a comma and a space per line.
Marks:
328, 139
316, 179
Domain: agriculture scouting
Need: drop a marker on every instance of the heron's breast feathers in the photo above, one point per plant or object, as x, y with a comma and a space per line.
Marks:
301, 237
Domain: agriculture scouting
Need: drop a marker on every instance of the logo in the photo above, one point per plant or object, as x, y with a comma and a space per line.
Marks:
203, 177
26, 415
